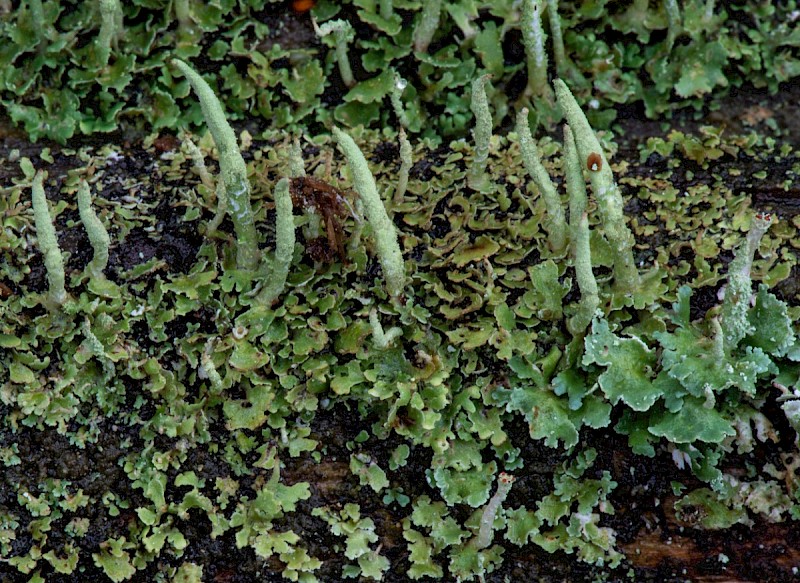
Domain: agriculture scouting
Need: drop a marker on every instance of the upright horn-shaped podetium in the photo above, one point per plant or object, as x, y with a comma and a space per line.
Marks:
606, 192
555, 223
579, 235
284, 246
736, 304
98, 235
482, 133
342, 32
48, 243
232, 167
533, 41
385, 233
427, 25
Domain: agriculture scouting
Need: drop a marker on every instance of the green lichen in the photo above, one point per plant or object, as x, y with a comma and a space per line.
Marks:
383, 229
284, 249
98, 235
199, 415
482, 134
48, 243
533, 38
605, 189
111, 29
427, 24
580, 237
342, 32
736, 305
555, 222
233, 170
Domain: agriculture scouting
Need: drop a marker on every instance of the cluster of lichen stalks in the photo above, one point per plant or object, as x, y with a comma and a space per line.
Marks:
584, 158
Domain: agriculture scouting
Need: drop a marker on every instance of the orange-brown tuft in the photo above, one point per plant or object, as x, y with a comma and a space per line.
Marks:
594, 162
302, 6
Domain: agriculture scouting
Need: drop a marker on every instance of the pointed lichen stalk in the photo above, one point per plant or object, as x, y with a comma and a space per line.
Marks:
558, 42
198, 161
555, 224
396, 96
208, 370
484, 537
427, 25
343, 33
232, 167
48, 243
297, 167
405, 167
98, 236
218, 188
674, 25
110, 29
579, 234
606, 192
482, 133
736, 304
383, 229
284, 246
533, 41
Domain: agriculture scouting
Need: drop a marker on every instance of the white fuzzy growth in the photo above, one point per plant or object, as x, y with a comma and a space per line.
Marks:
48, 242
484, 536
